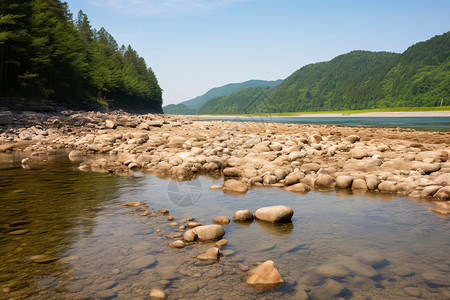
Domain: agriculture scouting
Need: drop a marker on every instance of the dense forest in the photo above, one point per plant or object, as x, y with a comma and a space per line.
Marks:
418, 77
190, 107
47, 54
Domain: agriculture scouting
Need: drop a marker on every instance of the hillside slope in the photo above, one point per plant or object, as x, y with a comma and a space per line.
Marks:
420, 76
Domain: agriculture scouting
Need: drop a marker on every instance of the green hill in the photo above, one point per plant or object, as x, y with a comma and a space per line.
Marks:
197, 102
357, 80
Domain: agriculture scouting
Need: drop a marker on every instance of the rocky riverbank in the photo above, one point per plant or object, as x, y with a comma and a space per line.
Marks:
295, 157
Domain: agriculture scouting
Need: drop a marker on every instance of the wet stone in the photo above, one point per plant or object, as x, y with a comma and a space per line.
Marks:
106, 294
142, 262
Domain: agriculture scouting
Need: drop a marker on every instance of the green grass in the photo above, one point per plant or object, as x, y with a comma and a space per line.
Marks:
387, 109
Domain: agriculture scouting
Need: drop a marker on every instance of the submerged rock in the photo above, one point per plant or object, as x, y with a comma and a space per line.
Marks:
330, 289
157, 294
275, 214
264, 276
442, 208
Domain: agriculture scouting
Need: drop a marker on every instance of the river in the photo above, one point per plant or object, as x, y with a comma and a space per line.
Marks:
63, 235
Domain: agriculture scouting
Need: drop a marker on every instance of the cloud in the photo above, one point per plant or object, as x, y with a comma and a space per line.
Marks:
156, 7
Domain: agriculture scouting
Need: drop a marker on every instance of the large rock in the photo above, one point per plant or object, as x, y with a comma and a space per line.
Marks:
332, 269
310, 167
204, 233
387, 187
344, 181
358, 153
298, 188
234, 186
359, 184
264, 276
443, 193
325, 182
243, 215
275, 214
427, 168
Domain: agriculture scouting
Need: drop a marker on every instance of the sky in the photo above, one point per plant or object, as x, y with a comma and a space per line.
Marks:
195, 45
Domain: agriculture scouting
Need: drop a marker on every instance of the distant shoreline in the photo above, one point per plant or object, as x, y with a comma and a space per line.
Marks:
336, 115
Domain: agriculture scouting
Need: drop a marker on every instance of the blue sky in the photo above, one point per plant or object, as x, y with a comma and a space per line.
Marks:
195, 45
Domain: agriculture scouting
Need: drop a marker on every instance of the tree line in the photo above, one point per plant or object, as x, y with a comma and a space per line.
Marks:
46, 53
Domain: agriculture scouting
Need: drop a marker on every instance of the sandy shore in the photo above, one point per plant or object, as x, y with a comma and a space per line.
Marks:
295, 157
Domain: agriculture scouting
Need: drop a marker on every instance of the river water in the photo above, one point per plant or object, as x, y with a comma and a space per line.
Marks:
63, 235
418, 123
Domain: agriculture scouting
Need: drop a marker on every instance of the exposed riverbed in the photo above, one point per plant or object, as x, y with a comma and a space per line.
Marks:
370, 207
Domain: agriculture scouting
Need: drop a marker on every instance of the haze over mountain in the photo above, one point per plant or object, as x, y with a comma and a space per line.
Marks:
420, 76
191, 106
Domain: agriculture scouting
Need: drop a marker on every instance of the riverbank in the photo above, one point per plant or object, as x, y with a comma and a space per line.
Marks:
294, 157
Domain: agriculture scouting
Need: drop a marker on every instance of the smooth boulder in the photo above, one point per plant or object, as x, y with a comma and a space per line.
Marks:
243, 215
204, 233
275, 214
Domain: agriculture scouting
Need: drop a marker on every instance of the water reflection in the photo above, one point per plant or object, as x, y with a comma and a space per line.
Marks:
44, 210
276, 229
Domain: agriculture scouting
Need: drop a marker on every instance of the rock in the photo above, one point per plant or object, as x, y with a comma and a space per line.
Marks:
193, 224
18, 232
357, 266
264, 276
310, 167
332, 270
413, 291
358, 153
325, 182
243, 215
442, 208
221, 243
443, 193
222, 220
269, 179
234, 186
430, 190
204, 233
427, 168
298, 188
43, 259
370, 257
157, 294
77, 155
110, 124
293, 178
211, 254
6, 118
164, 211
215, 187
177, 244
142, 262
106, 294
328, 290
359, 184
130, 204
275, 214
353, 138
372, 182
387, 187
231, 172
436, 278
344, 181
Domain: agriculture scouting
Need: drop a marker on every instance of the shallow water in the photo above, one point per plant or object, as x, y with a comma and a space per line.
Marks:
419, 123
90, 246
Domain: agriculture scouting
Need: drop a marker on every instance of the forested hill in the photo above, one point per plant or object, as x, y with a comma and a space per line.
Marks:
190, 107
357, 80
46, 54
